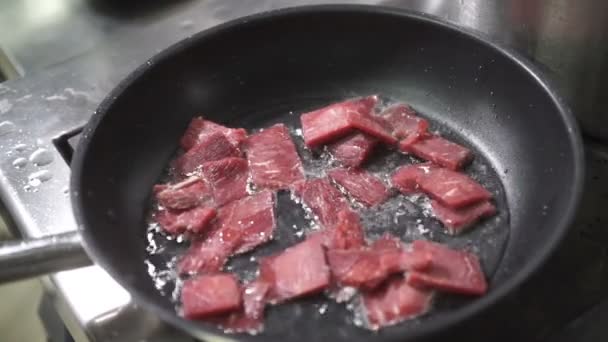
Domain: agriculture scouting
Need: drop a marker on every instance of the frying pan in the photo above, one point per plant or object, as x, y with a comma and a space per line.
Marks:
258, 69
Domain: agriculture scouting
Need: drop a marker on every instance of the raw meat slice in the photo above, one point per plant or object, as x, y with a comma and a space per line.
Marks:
199, 128
407, 178
209, 295
395, 302
323, 199
368, 267
252, 218
212, 147
451, 188
409, 260
369, 124
405, 123
241, 226
334, 121
457, 220
208, 255
365, 267
250, 318
273, 160
354, 149
361, 185
450, 270
195, 220
189, 193
439, 151
298, 271
228, 179
347, 233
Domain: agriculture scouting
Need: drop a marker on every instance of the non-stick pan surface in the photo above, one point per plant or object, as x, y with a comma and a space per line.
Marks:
259, 69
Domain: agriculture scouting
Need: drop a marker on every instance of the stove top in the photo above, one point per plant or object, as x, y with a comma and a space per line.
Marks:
41, 118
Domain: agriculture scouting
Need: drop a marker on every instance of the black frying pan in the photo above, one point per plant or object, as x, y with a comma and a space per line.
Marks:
255, 70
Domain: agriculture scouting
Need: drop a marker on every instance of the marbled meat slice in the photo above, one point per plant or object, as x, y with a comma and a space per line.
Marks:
273, 160
329, 123
250, 317
346, 234
409, 260
297, 271
439, 151
209, 254
450, 271
199, 128
394, 302
405, 123
194, 220
209, 295
228, 179
369, 124
252, 217
361, 185
368, 267
323, 199
212, 147
407, 178
363, 268
240, 226
186, 194
354, 149
458, 220
451, 188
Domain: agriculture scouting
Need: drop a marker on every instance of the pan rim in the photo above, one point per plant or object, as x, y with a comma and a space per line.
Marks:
440, 324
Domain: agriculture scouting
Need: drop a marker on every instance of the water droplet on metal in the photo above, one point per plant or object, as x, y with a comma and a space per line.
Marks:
7, 127
41, 157
20, 147
19, 162
39, 177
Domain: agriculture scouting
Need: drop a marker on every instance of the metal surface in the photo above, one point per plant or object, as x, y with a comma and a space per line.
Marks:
21, 259
45, 105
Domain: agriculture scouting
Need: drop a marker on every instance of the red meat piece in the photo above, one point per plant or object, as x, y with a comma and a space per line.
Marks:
189, 193
457, 220
208, 255
209, 295
450, 270
347, 233
354, 149
409, 260
395, 302
323, 199
298, 271
361, 185
250, 318
451, 188
337, 120
200, 128
368, 267
212, 147
228, 179
273, 159
195, 220
363, 268
407, 178
405, 123
241, 226
439, 151
253, 217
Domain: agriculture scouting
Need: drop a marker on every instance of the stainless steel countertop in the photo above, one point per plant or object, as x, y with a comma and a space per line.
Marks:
71, 61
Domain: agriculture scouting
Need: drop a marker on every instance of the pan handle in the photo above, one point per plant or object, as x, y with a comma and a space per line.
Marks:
21, 259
